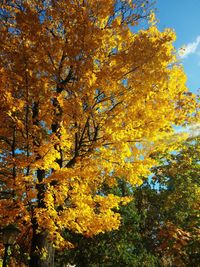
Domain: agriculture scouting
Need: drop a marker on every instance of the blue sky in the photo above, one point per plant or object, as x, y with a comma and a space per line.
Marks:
184, 17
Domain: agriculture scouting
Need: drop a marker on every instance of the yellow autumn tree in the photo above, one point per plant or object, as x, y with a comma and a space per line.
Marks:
85, 98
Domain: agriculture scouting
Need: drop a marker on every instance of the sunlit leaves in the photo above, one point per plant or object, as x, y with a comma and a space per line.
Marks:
85, 100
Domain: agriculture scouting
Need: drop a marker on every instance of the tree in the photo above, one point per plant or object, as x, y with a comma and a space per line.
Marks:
178, 232
84, 99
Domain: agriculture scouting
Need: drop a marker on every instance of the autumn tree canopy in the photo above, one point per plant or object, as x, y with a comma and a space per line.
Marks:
85, 98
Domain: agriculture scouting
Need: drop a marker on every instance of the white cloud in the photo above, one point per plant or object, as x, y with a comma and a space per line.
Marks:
190, 48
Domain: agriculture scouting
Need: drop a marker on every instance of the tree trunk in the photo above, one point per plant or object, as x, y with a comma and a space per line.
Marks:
42, 251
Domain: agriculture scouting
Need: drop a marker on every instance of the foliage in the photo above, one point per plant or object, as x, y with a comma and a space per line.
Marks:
160, 227
179, 179
84, 99
122, 247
